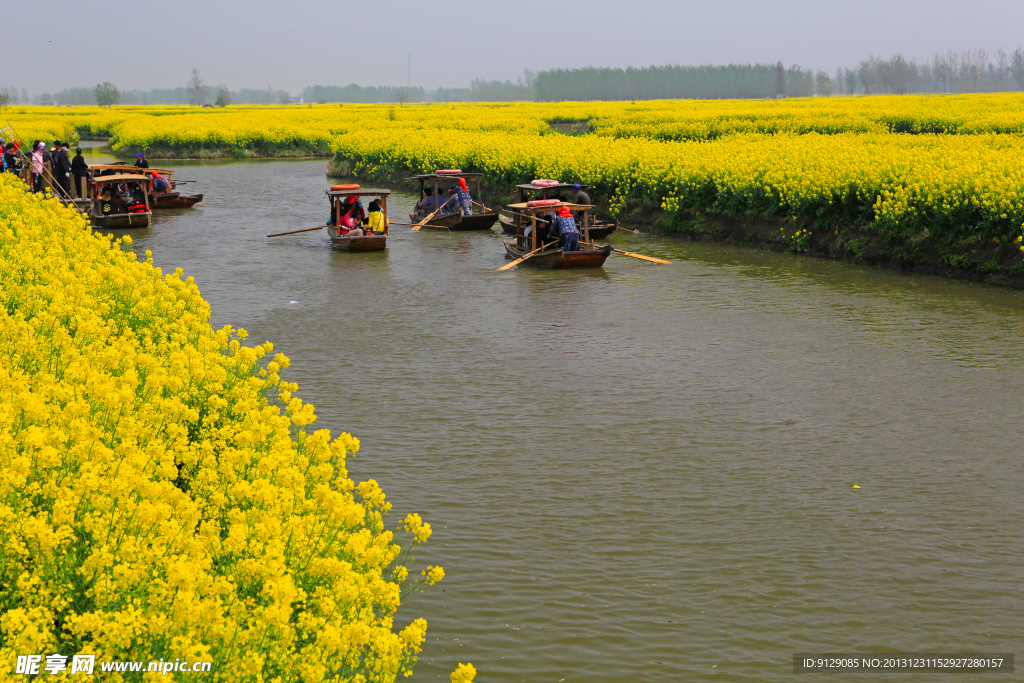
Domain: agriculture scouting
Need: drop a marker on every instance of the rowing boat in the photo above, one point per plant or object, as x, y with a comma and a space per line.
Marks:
483, 220
536, 249
337, 197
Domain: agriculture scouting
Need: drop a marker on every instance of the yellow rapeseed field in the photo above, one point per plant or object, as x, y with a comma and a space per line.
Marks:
154, 502
949, 165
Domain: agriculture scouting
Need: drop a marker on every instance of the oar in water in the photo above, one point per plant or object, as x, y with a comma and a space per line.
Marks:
635, 232
292, 232
517, 261
640, 256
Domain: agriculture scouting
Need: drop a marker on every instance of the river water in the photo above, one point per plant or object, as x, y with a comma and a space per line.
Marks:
646, 473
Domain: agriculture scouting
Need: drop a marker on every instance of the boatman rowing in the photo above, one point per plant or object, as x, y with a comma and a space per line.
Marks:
564, 226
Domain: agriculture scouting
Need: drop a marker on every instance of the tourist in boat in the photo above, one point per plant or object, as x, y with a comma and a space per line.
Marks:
462, 199
355, 201
349, 223
374, 221
109, 201
564, 226
80, 170
427, 201
37, 165
140, 161
583, 199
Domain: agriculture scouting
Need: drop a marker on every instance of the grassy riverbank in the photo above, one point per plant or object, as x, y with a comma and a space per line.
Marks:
162, 493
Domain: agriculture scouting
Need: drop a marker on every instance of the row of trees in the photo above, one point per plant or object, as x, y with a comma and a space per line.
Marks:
949, 72
734, 81
322, 94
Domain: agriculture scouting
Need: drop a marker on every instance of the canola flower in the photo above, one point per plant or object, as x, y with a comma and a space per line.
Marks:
948, 165
161, 493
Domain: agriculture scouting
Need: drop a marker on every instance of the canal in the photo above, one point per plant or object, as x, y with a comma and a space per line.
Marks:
646, 473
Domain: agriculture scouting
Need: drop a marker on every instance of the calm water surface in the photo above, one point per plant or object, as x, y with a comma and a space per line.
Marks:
646, 473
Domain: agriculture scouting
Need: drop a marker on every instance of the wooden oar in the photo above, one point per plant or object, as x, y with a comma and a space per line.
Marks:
518, 260
619, 227
424, 221
292, 232
640, 256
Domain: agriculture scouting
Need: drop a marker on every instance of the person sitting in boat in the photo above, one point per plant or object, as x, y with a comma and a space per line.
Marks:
355, 201
374, 220
349, 226
140, 161
583, 199
565, 227
462, 199
138, 201
159, 185
426, 201
109, 201
450, 203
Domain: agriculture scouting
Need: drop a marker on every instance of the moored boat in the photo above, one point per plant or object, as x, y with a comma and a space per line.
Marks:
158, 200
175, 200
119, 201
481, 218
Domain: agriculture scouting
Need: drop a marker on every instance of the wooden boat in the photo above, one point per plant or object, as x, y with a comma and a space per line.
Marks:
479, 220
158, 200
559, 258
552, 255
175, 200
365, 242
598, 229
104, 191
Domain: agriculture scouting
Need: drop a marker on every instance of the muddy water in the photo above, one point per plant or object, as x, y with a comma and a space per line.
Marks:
647, 473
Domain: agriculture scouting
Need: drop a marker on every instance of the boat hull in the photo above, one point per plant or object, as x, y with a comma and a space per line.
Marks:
122, 220
455, 221
357, 244
174, 200
557, 258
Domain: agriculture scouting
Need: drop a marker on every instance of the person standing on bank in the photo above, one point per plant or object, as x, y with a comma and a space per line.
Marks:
80, 170
62, 172
10, 161
37, 165
564, 226
140, 161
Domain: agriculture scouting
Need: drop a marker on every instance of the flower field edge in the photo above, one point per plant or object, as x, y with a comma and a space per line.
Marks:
161, 491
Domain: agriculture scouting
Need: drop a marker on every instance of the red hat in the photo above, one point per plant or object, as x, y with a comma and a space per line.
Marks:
462, 184
564, 212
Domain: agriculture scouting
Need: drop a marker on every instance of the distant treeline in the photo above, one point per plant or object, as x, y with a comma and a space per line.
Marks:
949, 72
322, 94
478, 91
735, 81
87, 96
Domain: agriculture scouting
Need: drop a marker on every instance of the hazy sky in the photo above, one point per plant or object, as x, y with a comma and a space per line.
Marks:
53, 44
